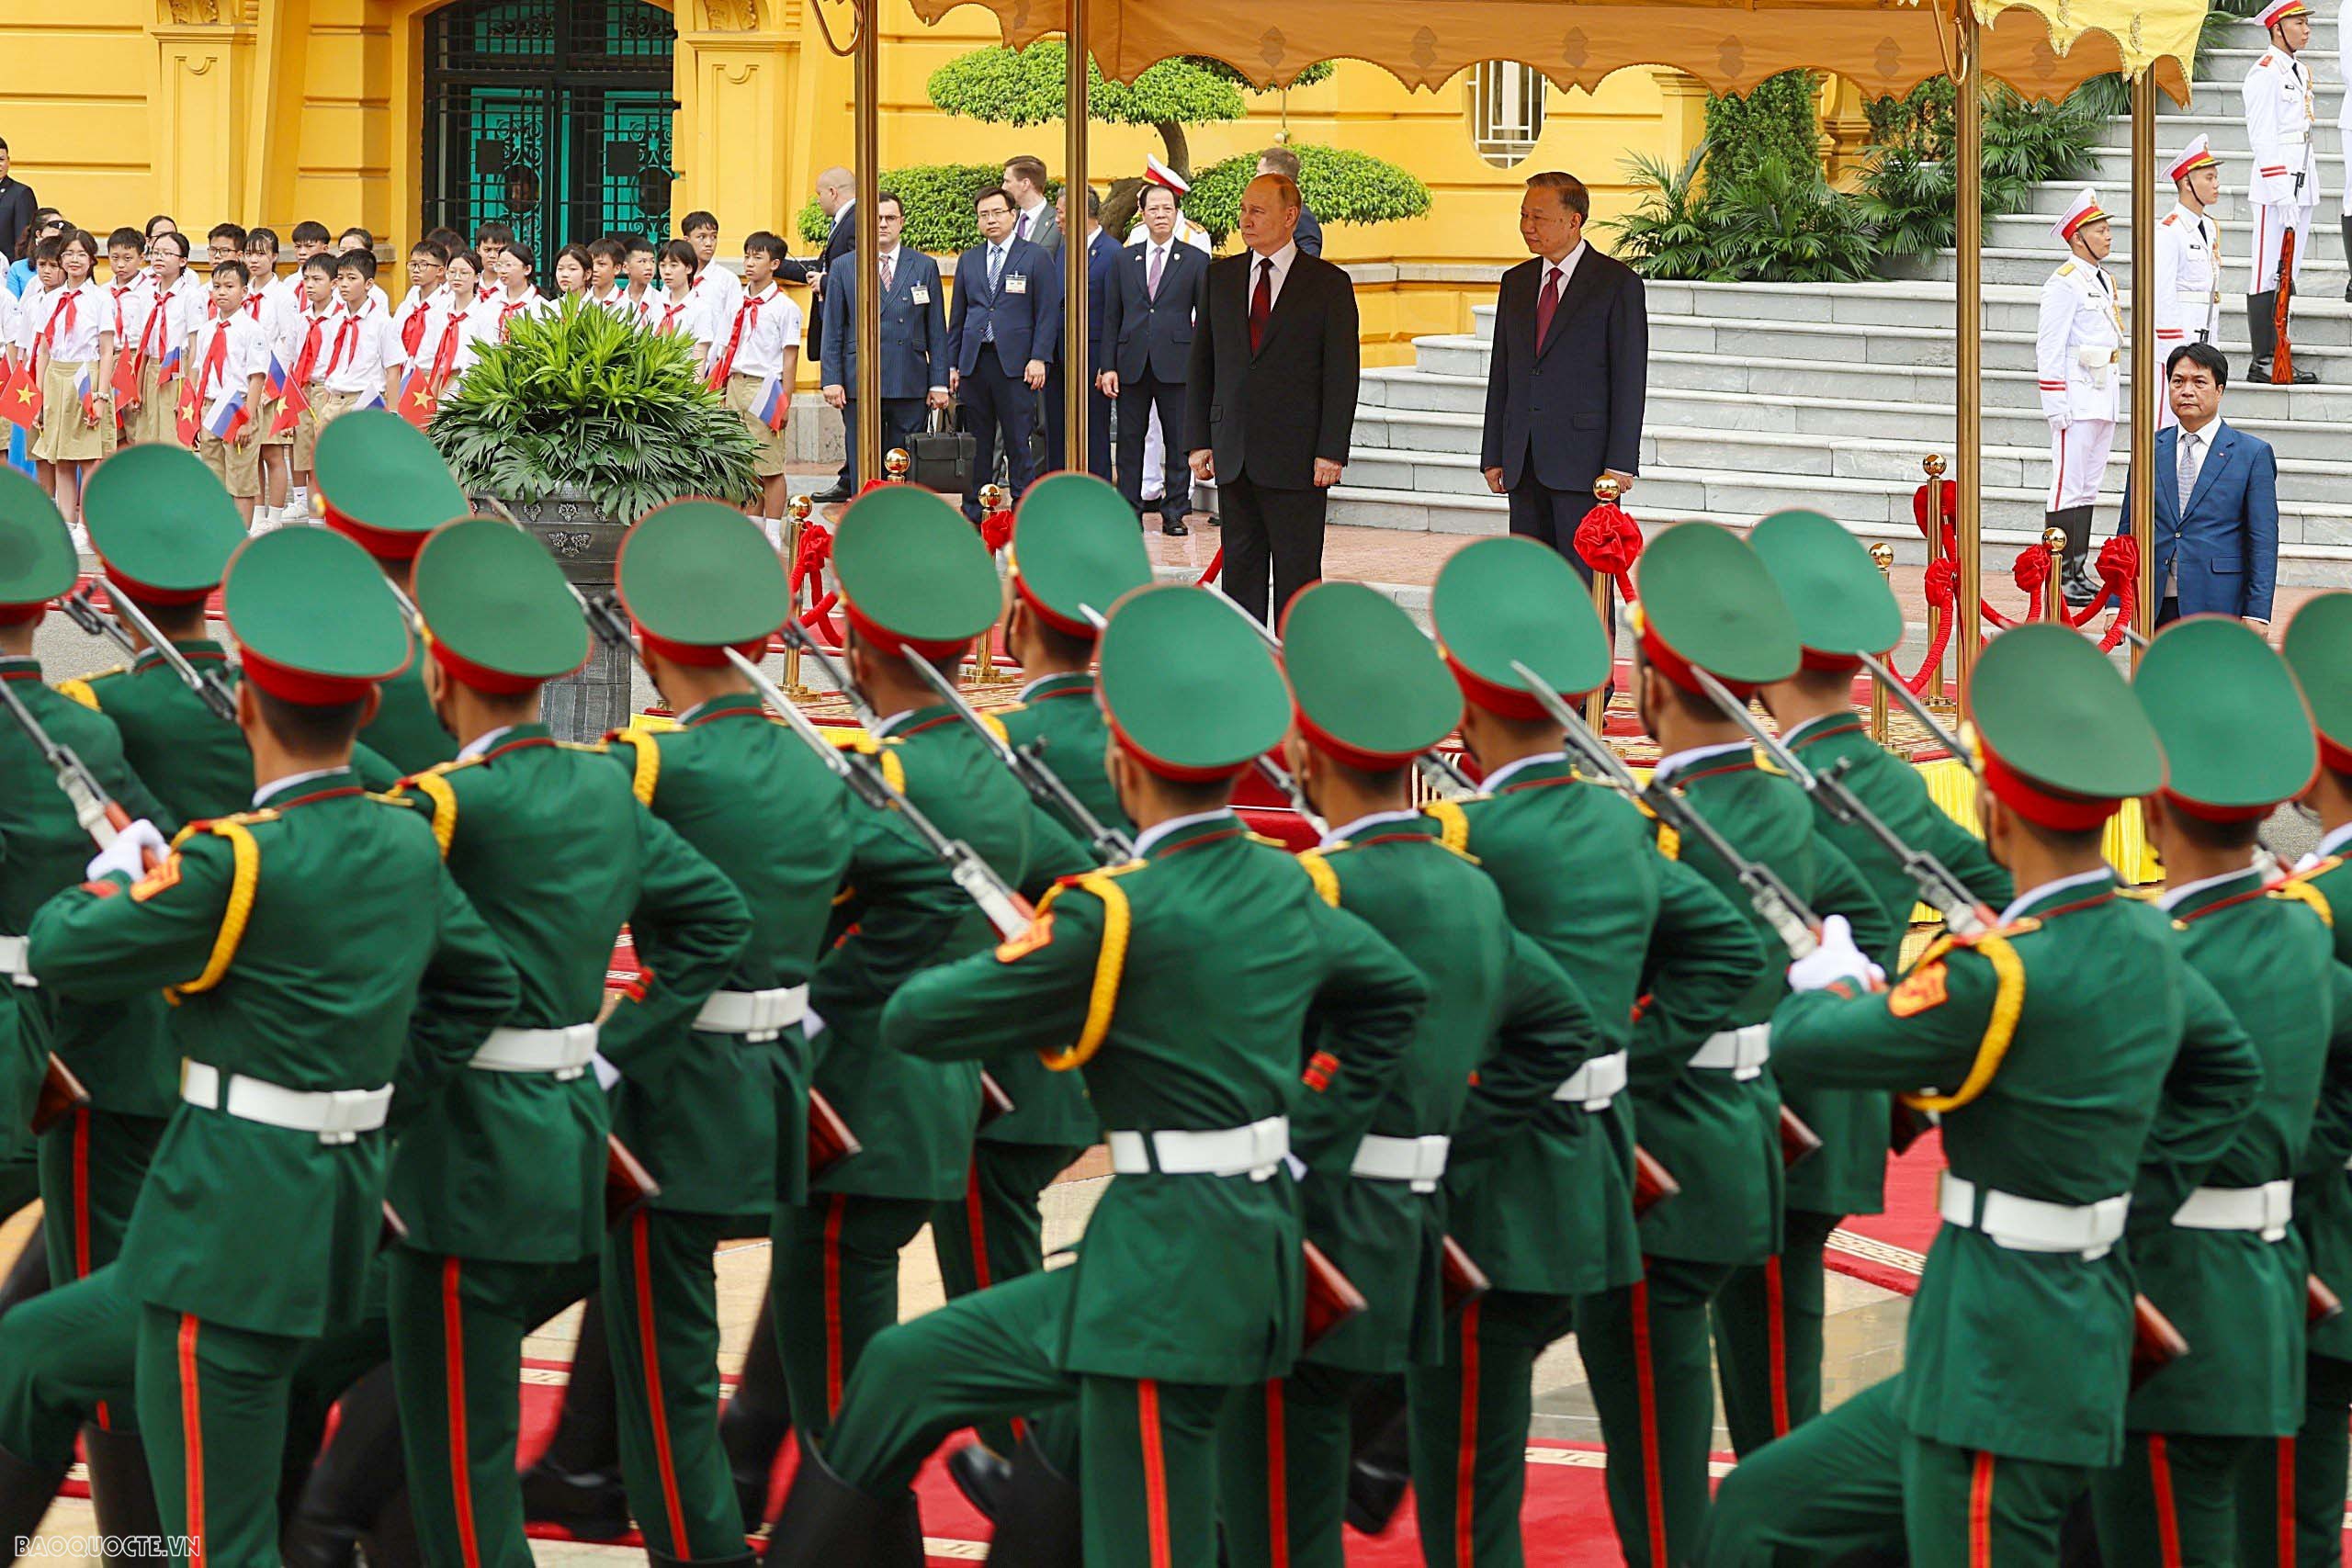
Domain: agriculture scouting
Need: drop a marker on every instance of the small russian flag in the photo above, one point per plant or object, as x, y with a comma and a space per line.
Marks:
81, 391
274, 383
374, 400
773, 407
171, 365
229, 419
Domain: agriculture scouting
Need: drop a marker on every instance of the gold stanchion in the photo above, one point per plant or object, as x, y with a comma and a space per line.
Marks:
1606, 490
992, 500
1883, 554
895, 466
1933, 463
2053, 602
1968, 350
2147, 369
796, 518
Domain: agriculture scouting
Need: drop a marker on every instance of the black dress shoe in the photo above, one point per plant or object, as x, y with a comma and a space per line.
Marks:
2262, 370
982, 1477
1174, 527
834, 491
2079, 587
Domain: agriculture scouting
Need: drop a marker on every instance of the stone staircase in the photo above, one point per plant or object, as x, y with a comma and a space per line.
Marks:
1765, 396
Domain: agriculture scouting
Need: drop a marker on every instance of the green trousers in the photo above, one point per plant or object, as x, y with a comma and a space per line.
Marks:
1768, 1336
64, 1354
1283, 1452
1468, 1419
835, 1286
1149, 1447
660, 1291
1856, 1481
92, 1165
2174, 1500
995, 1231
1645, 1348
212, 1417
2305, 1472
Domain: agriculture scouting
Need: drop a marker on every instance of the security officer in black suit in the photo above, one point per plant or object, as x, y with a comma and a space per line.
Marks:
837, 195
1147, 346
1102, 254
914, 333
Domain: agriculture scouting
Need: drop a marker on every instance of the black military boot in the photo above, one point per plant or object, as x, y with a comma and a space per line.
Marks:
1039, 1523
29, 1275
577, 1483
755, 1421
2347, 253
121, 1493
2079, 586
1382, 1467
983, 1476
26, 1492
828, 1523
355, 1495
2261, 332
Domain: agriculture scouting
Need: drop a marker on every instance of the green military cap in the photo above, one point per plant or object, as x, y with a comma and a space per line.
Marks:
2062, 737
2319, 650
914, 576
699, 578
1076, 548
37, 559
1188, 687
1500, 601
1707, 602
1838, 597
2236, 737
381, 481
1369, 688
313, 616
162, 523
496, 608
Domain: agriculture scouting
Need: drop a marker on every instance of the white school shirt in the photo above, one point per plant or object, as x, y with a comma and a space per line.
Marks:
29, 316
131, 308
689, 319
411, 303
646, 309
767, 334
294, 331
245, 357
77, 344
443, 320
616, 303
506, 310
720, 291
359, 348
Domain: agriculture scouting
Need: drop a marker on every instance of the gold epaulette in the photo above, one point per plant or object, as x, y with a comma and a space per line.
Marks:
244, 877
1110, 959
598, 747
2000, 1028
1318, 872
1453, 823
2296, 889
2067, 270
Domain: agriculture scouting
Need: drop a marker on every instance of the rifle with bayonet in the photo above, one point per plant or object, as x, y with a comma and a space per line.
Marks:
1111, 846
81, 608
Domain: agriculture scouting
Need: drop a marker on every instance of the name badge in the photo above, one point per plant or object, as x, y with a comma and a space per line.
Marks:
1016, 284
921, 295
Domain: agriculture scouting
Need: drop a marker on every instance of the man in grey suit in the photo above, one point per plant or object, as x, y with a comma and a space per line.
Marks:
1147, 345
1279, 160
1034, 218
914, 333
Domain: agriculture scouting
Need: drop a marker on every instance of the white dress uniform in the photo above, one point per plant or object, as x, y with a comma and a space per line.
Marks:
2189, 273
2283, 182
2079, 350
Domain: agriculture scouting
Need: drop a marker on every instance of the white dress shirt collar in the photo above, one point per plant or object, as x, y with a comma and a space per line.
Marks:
279, 786
2337, 842
1341, 834
1696, 754
483, 742
1566, 266
2172, 898
2031, 897
1158, 832
1495, 780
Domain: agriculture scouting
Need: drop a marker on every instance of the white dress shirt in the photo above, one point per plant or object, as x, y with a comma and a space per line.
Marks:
1174, 825
1282, 260
2198, 446
2033, 895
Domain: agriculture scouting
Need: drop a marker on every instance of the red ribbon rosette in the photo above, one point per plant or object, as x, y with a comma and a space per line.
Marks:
1609, 542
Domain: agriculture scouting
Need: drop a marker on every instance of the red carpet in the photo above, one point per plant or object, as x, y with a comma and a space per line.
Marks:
1887, 1249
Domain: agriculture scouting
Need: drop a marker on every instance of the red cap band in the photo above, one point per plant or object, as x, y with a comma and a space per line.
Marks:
1679, 670
17, 614
1078, 627
118, 580
884, 641
2333, 757
1828, 663
302, 686
2051, 808
1173, 771
384, 544
700, 654
1339, 751
482, 678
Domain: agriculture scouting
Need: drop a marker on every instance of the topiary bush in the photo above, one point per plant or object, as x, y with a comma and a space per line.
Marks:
1341, 186
938, 201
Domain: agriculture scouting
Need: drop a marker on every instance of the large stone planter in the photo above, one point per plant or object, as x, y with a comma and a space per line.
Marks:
585, 542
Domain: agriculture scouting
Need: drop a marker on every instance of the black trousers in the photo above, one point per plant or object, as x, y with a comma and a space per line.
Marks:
1137, 399
901, 417
1267, 528
1550, 517
1098, 429
994, 403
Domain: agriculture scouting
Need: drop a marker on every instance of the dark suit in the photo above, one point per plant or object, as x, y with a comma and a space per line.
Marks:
1309, 233
1560, 412
1147, 340
2226, 542
1101, 254
991, 336
17, 206
1267, 415
914, 345
839, 243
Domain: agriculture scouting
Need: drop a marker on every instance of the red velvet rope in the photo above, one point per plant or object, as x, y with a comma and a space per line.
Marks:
1609, 541
1216, 565
1941, 579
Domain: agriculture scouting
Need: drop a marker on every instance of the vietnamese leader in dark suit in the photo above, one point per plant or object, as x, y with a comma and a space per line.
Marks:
914, 334
1570, 366
2219, 554
1001, 328
1270, 396
1147, 346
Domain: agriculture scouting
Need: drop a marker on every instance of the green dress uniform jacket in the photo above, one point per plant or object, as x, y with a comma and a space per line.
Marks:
1181, 985
1503, 1029
1706, 1125
1851, 1180
2026, 1354
904, 914
1641, 936
405, 728
2323, 1189
719, 1122
555, 852
312, 944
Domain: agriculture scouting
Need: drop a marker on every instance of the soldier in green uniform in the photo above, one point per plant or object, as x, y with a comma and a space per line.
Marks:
378, 480
1079, 536
2212, 1246
2058, 1049
1503, 1030
1843, 609
92, 1161
1180, 984
320, 954
1713, 1116
916, 583
713, 1101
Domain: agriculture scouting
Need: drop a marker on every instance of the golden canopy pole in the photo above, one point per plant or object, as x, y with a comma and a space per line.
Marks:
1968, 358
1078, 369
868, 161
2144, 368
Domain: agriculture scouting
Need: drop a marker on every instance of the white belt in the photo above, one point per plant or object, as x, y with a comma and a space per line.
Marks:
1740, 1052
2295, 137
336, 1115
1255, 1151
563, 1052
1596, 1083
2028, 1225
1420, 1161
754, 1015
14, 959
2266, 1209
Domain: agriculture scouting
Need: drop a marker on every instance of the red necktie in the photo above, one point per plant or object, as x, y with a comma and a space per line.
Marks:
1545, 303
747, 315
118, 333
412, 330
61, 318
151, 339
346, 333
1261, 303
214, 358
509, 310
670, 314
445, 353
307, 360
252, 306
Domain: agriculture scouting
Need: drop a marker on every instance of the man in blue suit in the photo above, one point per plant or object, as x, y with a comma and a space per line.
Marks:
914, 334
1101, 254
1148, 334
2217, 554
1000, 333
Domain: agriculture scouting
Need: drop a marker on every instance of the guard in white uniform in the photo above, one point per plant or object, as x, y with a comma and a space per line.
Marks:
2189, 270
2284, 183
2077, 354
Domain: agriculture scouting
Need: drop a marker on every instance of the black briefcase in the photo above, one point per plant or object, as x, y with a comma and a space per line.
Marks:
943, 453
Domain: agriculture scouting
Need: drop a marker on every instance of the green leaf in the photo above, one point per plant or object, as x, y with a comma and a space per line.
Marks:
1340, 187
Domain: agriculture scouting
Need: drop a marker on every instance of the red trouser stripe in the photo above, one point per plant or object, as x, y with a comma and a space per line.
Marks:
2286, 1502
1980, 1512
1465, 1477
1277, 1479
648, 1345
2167, 1518
1776, 1326
81, 1192
453, 1357
1646, 1382
976, 1224
192, 1440
1155, 1471
834, 1304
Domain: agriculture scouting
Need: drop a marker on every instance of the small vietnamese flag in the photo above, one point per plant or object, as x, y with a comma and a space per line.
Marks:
20, 396
187, 418
229, 419
290, 410
418, 399
126, 375
774, 408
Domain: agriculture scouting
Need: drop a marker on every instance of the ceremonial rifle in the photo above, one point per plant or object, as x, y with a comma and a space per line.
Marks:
81, 608
1111, 846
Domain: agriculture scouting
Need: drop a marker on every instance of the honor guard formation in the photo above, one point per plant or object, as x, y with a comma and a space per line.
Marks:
312, 1057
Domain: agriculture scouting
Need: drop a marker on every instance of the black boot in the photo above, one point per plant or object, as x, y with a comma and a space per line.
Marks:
2261, 331
983, 1476
356, 1491
1039, 1523
2347, 253
26, 1492
29, 1275
577, 1483
2079, 586
1383, 1464
121, 1493
754, 1423
828, 1523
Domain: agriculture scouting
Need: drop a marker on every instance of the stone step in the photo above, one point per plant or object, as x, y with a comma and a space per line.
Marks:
2111, 169
2051, 198
1927, 305
2323, 278
2028, 233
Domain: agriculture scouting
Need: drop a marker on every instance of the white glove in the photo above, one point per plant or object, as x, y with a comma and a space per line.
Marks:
607, 1074
126, 854
1297, 1167
1836, 959
2060, 421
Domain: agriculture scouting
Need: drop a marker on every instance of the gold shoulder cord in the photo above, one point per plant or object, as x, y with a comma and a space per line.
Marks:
243, 879
1110, 965
2008, 1002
